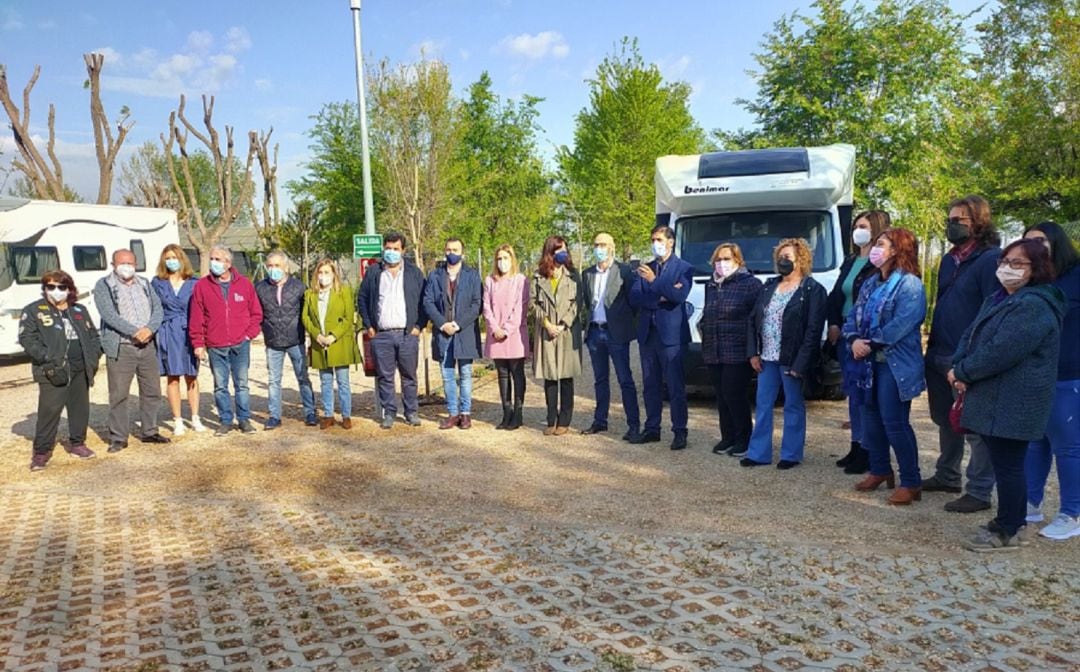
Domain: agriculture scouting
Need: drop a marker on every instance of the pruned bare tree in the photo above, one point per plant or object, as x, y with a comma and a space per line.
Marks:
107, 147
206, 222
46, 177
268, 227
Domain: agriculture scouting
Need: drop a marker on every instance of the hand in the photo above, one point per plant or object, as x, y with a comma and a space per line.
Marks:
499, 334
960, 386
834, 334
415, 332
755, 363
321, 340
370, 331
646, 273
552, 330
860, 348
200, 354
143, 335
447, 328
678, 285
793, 373
330, 339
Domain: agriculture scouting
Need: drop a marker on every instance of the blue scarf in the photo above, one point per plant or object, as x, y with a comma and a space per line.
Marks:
858, 374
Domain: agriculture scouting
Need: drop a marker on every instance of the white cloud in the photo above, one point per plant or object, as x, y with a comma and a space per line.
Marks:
237, 39
428, 48
535, 47
673, 68
200, 41
264, 85
13, 20
113, 57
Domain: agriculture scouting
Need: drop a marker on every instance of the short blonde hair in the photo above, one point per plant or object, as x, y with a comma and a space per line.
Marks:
326, 261
186, 271
495, 261
735, 252
803, 257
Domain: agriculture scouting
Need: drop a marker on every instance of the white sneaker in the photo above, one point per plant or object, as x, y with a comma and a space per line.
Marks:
1034, 513
196, 424
178, 427
1063, 527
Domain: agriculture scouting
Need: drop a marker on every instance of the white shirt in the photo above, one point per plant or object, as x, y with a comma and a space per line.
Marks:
599, 312
392, 312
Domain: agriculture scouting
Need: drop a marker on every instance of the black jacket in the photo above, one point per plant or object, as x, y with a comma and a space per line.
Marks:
801, 330
621, 317
281, 325
367, 299
835, 310
42, 336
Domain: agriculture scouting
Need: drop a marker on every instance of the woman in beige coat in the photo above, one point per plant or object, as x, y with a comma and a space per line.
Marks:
557, 333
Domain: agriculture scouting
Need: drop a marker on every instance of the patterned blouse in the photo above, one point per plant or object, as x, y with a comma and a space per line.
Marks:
772, 323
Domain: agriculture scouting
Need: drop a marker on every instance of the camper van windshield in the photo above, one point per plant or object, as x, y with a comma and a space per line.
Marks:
756, 234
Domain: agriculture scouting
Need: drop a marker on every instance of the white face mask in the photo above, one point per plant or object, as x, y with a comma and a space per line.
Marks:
1011, 278
504, 266
57, 295
325, 279
860, 237
659, 248
125, 271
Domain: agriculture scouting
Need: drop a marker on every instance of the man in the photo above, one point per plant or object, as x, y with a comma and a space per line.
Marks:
225, 316
452, 301
391, 304
966, 276
659, 293
281, 297
609, 331
130, 314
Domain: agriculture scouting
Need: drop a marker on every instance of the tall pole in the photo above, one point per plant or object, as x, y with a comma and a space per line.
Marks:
369, 209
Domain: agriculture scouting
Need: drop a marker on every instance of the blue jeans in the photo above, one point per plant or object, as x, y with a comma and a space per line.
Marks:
1062, 441
326, 387
600, 349
1007, 457
275, 363
225, 362
452, 369
769, 382
886, 421
854, 408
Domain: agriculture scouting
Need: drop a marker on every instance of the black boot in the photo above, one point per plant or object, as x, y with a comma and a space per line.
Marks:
860, 464
508, 417
846, 459
515, 419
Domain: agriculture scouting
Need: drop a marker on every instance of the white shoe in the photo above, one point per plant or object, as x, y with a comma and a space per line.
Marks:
1063, 527
196, 424
178, 427
1034, 513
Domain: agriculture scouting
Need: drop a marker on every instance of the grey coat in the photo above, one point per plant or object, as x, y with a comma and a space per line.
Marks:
621, 318
112, 325
559, 357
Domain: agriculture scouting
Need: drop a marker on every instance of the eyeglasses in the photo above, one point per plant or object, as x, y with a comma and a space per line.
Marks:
957, 220
50, 286
1015, 264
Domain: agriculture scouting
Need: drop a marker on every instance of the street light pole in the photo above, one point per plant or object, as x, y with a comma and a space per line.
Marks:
369, 210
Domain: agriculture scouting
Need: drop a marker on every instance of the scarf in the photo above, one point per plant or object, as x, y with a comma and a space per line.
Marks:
858, 374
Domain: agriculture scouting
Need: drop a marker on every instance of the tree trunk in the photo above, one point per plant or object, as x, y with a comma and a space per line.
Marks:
106, 147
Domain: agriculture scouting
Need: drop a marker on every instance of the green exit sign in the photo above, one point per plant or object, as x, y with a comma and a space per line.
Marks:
365, 246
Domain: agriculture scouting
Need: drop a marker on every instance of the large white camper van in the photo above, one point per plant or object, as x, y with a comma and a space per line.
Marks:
756, 198
39, 236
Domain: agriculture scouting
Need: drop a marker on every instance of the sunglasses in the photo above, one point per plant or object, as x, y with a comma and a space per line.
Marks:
50, 286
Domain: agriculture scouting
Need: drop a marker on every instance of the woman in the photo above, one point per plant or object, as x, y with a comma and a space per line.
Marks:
506, 308
328, 319
784, 339
730, 297
557, 346
853, 272
1061, 440
64, 348
174, 284
885, 364
1005, 367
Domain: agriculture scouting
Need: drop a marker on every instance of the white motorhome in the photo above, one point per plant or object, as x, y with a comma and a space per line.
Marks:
756, 198
39, 236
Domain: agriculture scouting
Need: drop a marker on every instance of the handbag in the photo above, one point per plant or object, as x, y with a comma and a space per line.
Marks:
955, 412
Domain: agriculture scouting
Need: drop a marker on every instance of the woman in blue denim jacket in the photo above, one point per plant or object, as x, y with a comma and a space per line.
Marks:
883, 332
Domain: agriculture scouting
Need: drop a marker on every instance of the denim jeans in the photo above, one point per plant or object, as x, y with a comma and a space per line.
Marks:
275, 363
457, 382
1062, 441
1007, 457
225, 362
854, 408
886, 421
769, 382
600, 350
326, 387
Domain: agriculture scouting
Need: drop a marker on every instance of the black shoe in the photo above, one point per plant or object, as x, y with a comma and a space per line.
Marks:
747, 462
311, 420
508, 417
846, 459
723, 446
116, 446
516, 421
967, 504
860, 464
631, 435
595, 429
222, 430
647, 437
935, 484
387, 421
155, 438
738, 450
246, 427
412, 419
786, 464
679, 442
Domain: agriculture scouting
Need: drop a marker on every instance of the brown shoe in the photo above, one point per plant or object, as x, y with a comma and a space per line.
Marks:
326, 423
559, 431
550, 430
465, 422
905, 496
450, 422
346, 423
872, 482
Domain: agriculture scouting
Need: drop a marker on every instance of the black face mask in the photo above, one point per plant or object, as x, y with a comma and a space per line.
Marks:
957, 233
785, 266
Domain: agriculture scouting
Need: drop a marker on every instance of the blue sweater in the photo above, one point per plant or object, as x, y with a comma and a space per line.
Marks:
961, 292
1069, 361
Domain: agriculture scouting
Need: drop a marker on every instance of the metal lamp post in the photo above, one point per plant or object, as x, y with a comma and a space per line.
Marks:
369, 210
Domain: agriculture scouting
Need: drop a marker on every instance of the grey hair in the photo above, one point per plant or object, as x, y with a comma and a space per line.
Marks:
221, 248
279, 254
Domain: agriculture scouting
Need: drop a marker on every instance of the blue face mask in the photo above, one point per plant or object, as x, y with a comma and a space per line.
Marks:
173, 265
561, 257
453, 259
659, 248
217, 267
275, 274
600, 253
392, 257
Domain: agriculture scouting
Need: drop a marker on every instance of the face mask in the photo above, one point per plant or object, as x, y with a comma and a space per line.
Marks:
785, 266
125, 271
561, 257
725, 268
659, 248
878, 257
504, 266
275, 274
453, 259
860, 237
217, 267
173, 265
57, 295
1011, 278
392, 257
600, 252
957, 233
325, 279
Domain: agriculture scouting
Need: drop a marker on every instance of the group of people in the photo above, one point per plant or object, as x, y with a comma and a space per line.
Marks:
1001, 367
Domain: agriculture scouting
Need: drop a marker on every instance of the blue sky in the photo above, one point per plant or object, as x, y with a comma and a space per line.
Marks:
274, 63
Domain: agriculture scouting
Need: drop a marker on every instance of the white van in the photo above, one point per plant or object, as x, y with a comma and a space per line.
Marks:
756, 198
40, 236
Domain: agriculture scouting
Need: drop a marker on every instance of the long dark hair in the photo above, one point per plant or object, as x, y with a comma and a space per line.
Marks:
1062, 251
982, 227
546, 267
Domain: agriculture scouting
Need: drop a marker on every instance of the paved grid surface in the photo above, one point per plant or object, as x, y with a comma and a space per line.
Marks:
104, 582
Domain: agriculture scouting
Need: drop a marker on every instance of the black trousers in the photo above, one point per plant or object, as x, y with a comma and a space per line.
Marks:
559, 395
511, 381
52, 400
732, 384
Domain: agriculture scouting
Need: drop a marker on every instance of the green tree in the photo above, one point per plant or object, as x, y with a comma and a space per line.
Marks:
633, 117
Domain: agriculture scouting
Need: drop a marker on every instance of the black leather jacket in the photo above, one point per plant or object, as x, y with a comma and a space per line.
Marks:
42, 336
801, 328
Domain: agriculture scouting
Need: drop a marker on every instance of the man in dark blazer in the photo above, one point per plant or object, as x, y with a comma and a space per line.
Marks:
610, 327
659, 293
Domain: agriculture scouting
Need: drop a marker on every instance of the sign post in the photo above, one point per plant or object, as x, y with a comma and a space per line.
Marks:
366, 245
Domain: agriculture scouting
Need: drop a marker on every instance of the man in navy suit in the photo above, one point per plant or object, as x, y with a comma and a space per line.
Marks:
659, 293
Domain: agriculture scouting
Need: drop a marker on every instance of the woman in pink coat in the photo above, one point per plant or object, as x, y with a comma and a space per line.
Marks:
506, 301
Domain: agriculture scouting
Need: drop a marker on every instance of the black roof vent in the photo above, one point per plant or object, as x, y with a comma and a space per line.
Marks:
753, 162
